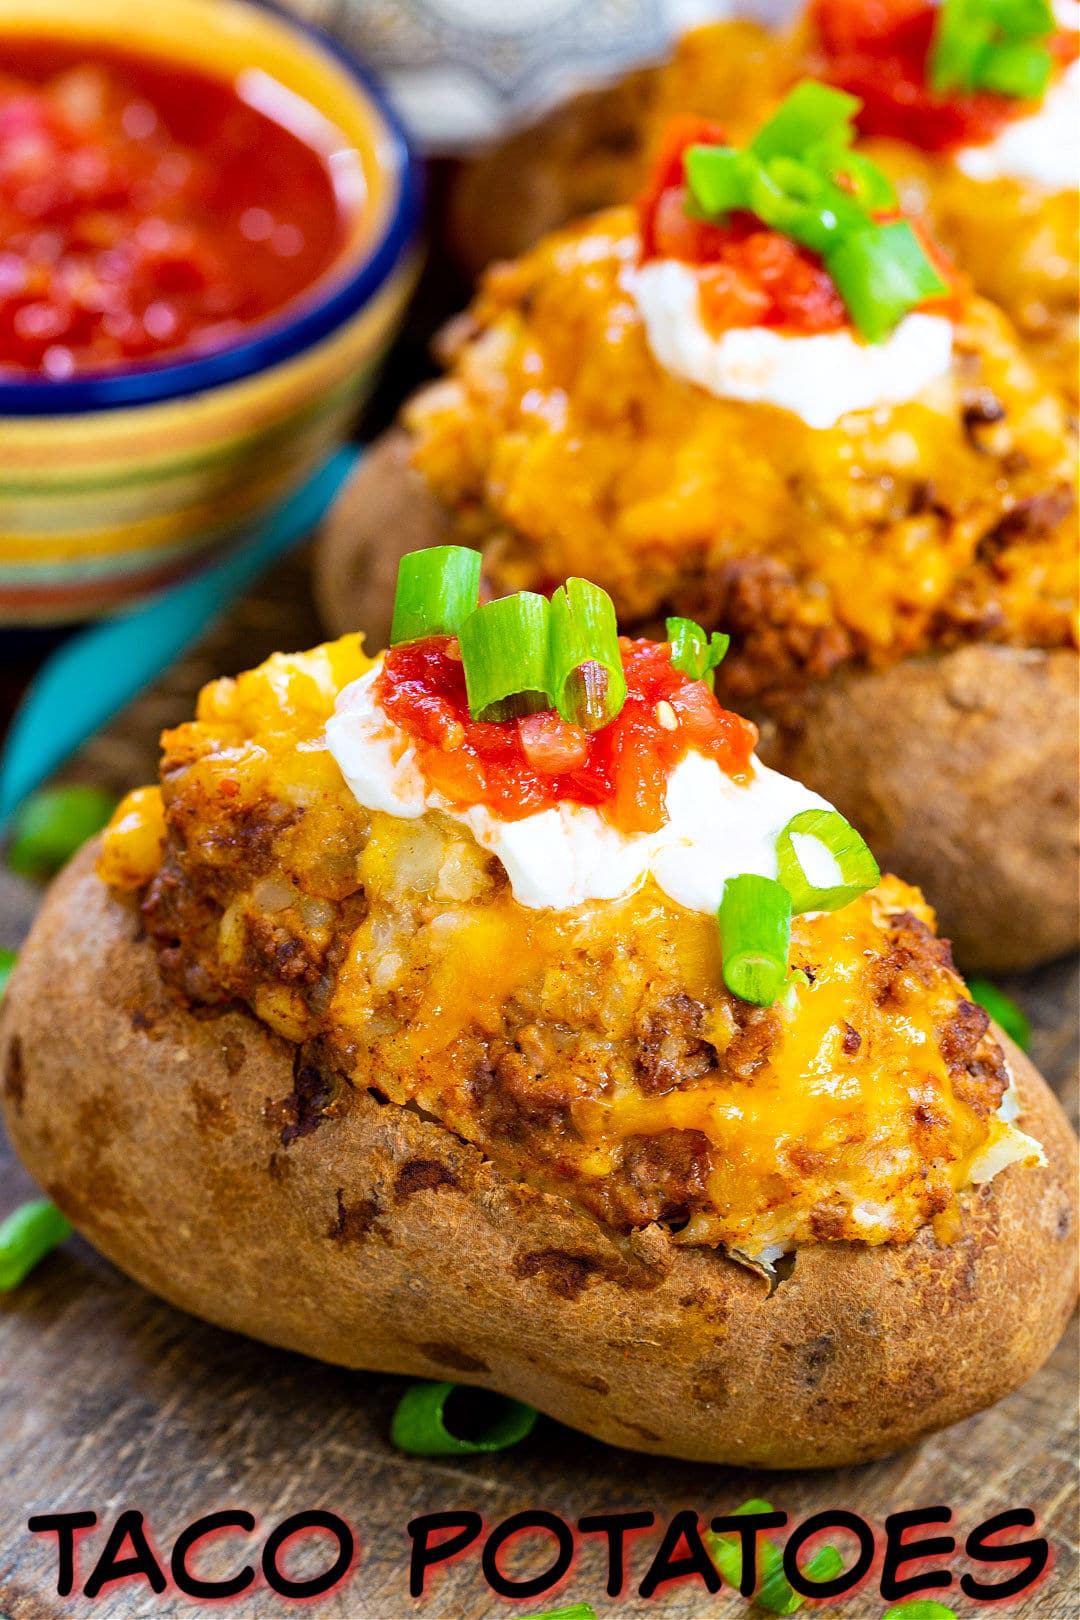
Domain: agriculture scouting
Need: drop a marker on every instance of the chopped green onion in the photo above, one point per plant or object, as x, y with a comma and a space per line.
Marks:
858, 869
8, 958
422, 1427
695, 653
504, 650
920, 1609
872, 188
1003, 1010
755, 931
881, 274
53, 824
774, 1591
437, 589
577, 1611
959, 48
809, 113
30, 1233
1016, 68
716, 176
994, 45
586, 678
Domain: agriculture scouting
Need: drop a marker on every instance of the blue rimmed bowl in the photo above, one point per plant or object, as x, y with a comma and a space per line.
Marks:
115, 484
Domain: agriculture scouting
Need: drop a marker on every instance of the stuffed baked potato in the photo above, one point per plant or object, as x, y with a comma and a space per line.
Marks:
1014, 232
345, 1040
899, 580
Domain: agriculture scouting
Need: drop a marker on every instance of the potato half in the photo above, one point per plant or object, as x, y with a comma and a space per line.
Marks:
377, 1239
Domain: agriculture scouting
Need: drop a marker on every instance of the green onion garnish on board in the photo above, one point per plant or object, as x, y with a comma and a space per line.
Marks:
774, 1591
53, 824
920, 1609
1003, 1010
755, 932
800, 176
857, 867
504, 651
30, 1233
585, 669
452, 1420
8, 958
437, 589
695, 653
992, 45
577, 1611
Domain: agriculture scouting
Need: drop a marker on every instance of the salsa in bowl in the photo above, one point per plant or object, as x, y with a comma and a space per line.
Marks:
208, 217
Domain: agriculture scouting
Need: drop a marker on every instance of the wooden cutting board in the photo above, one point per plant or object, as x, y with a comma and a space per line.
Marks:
111, 1399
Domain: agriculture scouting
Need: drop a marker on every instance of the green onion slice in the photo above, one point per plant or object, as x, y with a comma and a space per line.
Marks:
1016, 68
504, 650
577, 1611
30, 1233
812, 111
755, 932
437, 589
920, 1609
53, 824
995, 45
586, 679
881, 274
1003, 1010
477, 1421
857, 867
774, 1591
695, 653
8, 959
716, 176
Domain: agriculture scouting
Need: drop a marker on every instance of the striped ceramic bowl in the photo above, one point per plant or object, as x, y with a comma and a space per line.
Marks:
114, 485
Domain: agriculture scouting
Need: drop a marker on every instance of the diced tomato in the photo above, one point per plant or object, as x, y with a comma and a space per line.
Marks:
527, 765
878, 50
668, 172
748, 275
551, 744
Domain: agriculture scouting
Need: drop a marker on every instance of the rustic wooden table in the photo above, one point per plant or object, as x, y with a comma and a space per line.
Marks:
111, 1399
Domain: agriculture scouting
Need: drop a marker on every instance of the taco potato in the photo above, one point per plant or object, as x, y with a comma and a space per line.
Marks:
932, 540
376, 1078
1009, 216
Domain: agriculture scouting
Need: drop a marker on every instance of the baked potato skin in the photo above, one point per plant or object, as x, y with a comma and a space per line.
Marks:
376, 1239
959, 767
960, 771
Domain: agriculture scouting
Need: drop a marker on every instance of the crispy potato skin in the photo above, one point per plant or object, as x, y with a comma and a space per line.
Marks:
960, 771
376, 1239
959, 768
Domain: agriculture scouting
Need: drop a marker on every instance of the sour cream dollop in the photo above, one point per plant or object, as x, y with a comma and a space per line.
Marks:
1042, 149
567, 855
819, 378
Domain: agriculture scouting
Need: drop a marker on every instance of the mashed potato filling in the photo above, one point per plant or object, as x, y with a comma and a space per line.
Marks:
592, 1050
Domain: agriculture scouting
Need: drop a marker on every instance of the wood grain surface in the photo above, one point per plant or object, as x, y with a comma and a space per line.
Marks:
111, 1399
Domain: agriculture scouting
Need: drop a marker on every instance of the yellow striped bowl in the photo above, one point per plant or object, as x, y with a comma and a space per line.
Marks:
112, 486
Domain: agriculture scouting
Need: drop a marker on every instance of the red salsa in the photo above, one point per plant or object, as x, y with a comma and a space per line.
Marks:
146, 207
519, 767
747, 275
878, 50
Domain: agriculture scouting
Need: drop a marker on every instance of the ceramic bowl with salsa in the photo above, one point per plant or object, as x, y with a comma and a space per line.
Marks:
207, 233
